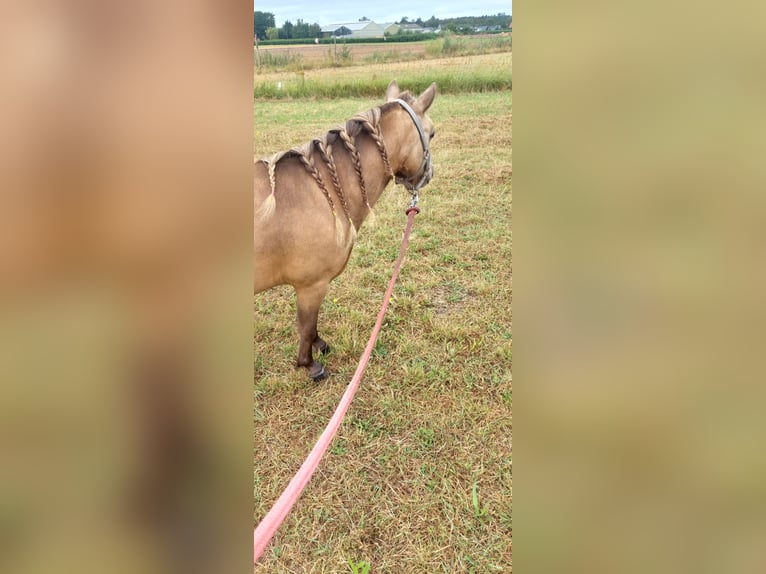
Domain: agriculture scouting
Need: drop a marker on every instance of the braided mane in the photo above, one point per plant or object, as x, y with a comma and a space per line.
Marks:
321, 148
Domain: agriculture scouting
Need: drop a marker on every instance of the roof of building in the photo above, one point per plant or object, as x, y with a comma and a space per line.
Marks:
353, 26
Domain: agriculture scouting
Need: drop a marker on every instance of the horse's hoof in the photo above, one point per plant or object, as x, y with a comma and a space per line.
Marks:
322, 348
320, 376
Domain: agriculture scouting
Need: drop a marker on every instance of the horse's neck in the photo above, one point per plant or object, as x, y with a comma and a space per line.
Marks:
376, 178
377, 174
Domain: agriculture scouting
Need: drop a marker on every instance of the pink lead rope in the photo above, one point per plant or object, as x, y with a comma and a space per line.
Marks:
273, 520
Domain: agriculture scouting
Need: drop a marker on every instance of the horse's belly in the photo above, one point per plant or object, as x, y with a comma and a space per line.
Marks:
297, 258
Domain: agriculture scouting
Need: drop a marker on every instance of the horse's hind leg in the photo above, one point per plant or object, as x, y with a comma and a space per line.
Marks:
309, 301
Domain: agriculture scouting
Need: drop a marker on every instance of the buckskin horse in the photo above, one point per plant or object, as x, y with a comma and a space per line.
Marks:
310, 201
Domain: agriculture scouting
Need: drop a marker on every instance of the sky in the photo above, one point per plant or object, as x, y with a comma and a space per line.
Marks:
336, 11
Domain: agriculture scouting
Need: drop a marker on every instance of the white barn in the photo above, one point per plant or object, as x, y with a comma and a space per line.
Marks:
366, 29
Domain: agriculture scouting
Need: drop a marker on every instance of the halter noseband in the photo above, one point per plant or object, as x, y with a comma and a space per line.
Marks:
423, 175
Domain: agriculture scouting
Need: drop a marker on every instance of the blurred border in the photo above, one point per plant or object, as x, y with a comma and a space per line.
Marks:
639, 229
126, 286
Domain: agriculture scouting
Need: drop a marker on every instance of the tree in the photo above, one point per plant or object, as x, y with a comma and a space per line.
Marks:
261, 22
301, 29
286, 31
272, 33
364, 19
404, 20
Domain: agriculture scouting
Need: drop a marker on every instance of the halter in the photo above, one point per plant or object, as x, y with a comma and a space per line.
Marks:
423, 175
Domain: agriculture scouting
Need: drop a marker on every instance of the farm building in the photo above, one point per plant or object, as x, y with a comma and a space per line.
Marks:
390, 28
366, 29
412, 28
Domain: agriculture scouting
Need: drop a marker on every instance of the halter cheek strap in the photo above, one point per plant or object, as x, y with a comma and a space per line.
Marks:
423, 174
416, 119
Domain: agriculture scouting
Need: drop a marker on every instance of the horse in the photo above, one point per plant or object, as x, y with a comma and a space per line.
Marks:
311, 201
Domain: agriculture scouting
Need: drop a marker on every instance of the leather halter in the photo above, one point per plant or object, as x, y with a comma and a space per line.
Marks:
423, 175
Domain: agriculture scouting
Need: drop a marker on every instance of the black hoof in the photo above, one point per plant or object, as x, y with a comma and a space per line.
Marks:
322, 348
320, 376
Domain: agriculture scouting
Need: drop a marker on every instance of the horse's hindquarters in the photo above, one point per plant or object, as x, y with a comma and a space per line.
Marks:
296, 252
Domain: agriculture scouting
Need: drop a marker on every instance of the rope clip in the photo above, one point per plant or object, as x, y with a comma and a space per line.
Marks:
413, 203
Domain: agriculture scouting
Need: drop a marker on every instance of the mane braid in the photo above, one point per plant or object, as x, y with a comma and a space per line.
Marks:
373, 128
266, 210
325, 151
271, 165
303, 154
357, 161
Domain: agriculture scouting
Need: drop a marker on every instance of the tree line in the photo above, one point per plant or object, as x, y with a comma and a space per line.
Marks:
265, 28
468, 23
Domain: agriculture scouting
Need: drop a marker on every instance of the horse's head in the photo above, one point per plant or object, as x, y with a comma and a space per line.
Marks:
416, 170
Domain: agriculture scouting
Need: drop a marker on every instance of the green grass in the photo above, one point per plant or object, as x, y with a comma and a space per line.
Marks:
484, 73
453, 45
271, 60
359, 567
386, 56
419, 477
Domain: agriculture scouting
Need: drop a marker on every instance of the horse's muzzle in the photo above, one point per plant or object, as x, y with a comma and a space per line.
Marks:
421, 178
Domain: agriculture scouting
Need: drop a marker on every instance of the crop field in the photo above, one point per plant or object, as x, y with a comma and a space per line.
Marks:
309, 56
312, 55
419, 477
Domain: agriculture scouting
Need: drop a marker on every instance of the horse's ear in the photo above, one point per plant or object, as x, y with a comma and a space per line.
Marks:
392, 91
425, 99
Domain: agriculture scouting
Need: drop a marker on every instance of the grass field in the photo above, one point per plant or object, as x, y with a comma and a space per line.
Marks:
479, 73
419, 476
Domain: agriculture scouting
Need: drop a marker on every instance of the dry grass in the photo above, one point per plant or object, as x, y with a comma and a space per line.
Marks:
297, 57
311, 55
419, 477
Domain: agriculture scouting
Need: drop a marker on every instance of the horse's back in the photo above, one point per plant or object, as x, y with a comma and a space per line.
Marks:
295, 243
